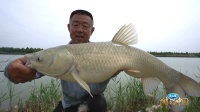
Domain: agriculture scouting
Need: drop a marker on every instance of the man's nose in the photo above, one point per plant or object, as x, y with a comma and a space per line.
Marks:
80, 29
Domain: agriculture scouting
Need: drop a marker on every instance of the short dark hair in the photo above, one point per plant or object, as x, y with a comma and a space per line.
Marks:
79, 11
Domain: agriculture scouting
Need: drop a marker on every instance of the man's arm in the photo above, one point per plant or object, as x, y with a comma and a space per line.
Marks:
17, 72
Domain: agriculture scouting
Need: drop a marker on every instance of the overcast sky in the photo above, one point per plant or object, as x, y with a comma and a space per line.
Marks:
163, 25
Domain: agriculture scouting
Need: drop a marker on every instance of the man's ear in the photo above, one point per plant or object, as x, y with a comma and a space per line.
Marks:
93, 28
68, 26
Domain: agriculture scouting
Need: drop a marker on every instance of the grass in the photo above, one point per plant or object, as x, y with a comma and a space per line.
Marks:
41, 99
130, 97
44, 98
9, 94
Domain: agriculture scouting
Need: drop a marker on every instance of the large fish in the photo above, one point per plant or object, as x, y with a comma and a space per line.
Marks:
98, 61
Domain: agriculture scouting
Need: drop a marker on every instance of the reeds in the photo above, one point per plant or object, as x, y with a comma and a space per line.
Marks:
44, 98
129, 96
41, 99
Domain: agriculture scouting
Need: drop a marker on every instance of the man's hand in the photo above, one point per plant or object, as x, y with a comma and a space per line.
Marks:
19, 72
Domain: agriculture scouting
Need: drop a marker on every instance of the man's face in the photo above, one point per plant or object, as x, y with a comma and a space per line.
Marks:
80, 28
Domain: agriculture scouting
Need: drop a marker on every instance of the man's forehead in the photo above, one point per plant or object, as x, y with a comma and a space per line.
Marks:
80, 18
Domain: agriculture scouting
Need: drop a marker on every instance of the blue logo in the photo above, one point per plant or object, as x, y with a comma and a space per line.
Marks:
172, 96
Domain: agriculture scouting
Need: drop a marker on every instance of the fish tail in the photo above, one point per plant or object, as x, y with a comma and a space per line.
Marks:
187, 86
190, 86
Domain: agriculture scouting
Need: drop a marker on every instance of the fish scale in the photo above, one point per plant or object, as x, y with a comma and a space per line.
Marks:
110, 62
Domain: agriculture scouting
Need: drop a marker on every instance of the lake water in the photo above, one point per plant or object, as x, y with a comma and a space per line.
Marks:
188, 66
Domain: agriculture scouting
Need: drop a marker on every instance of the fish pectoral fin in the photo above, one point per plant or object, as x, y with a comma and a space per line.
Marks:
51, 74
150, 84
134, 73
81, 82
127, 35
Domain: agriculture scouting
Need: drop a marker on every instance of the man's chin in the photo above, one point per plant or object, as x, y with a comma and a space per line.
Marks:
79, 41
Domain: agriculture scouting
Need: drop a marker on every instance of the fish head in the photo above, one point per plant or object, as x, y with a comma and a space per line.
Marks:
52, 62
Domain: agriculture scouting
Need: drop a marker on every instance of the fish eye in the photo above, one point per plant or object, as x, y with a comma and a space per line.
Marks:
39, 59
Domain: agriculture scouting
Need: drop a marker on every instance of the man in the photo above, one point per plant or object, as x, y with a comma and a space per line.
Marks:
74, 96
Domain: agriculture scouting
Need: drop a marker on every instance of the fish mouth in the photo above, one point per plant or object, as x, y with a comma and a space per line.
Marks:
28, 62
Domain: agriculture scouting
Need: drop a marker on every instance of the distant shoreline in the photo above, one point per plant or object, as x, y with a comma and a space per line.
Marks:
175, 54
180, 56
23, 51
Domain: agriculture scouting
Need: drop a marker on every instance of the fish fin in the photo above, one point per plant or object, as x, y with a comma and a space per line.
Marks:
127, 35
182, 94
186, 86
150, 84
81, 82
190, 86
134, 73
